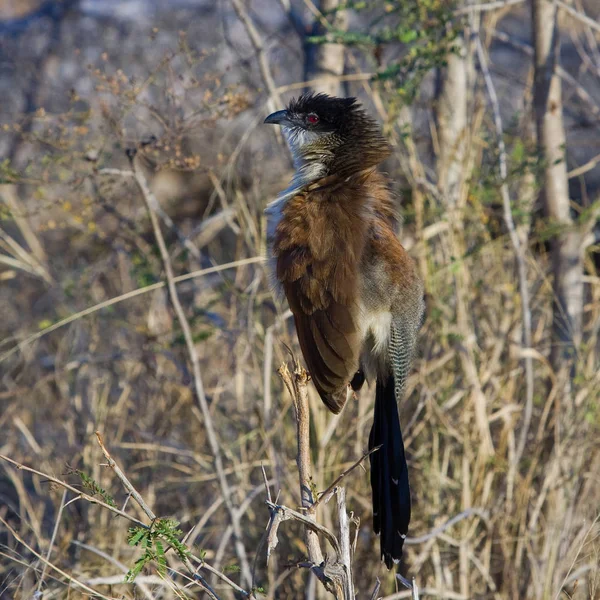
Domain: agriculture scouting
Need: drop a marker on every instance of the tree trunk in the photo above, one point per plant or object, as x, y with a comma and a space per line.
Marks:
326, 61
566, 248
451, 117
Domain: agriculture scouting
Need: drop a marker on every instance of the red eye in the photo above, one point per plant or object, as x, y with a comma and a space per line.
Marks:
312, 119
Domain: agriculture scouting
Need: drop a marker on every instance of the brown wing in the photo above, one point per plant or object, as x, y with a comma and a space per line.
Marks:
329, 342
318, 245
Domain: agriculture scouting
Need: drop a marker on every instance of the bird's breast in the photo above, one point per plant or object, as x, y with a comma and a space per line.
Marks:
376, 325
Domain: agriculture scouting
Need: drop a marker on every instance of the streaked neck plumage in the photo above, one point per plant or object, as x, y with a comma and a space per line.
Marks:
343, 142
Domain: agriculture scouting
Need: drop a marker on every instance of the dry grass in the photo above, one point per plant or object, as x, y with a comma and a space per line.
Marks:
530, 526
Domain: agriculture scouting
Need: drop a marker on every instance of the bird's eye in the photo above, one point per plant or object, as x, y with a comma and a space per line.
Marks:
312, 119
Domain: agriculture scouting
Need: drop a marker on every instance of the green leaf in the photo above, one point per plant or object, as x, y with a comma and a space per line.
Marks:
408, 36
160, 558
94, 488
231, 569
135, 535
136, 569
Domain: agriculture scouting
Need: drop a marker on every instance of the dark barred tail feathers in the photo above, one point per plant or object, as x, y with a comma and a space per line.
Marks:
389, 474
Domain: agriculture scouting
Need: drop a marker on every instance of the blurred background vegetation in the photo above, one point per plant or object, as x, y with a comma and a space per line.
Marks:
493, 110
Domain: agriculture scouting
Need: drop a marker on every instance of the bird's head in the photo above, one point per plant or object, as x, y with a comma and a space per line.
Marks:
329, 135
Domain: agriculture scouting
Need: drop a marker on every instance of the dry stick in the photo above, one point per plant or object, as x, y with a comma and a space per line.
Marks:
328, 493
588, 166
583, 18
263, 63
519, 253
54, 567
297, 387
80, 495
274, 101
52, 540
335, 576
285, 514
198, 385
263, 538
446, 594
346, 554
412, 586
442, 528
583, 94
128, 486
219, 575
487, 6
376, 589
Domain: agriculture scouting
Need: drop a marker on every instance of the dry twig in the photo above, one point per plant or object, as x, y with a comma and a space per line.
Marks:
335, 575
128, 486
519, 252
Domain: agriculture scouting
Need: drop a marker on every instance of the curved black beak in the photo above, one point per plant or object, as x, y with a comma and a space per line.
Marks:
280, 117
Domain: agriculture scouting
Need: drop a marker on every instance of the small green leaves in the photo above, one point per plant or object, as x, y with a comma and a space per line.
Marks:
7, 173
428, 30
94, 488
152, 540
231, 569
135, 535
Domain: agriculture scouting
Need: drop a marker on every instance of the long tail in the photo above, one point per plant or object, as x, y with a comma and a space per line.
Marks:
389, 474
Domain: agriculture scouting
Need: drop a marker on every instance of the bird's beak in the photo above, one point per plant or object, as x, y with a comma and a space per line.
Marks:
280, 117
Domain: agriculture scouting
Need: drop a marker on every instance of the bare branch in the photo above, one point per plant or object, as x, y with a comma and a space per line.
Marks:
290, 513
328, 493
566, 246
346, 552
579, 16
453, 521
335, 575
128, 486
486, 6
296, 386
52, 540
274, 101
219, 575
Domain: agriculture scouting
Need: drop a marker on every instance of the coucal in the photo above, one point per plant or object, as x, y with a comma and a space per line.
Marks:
355, 294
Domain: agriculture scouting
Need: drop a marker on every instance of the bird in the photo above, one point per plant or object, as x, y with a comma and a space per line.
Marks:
355, 293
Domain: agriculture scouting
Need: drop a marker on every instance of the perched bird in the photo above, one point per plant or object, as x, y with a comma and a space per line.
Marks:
355, 294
